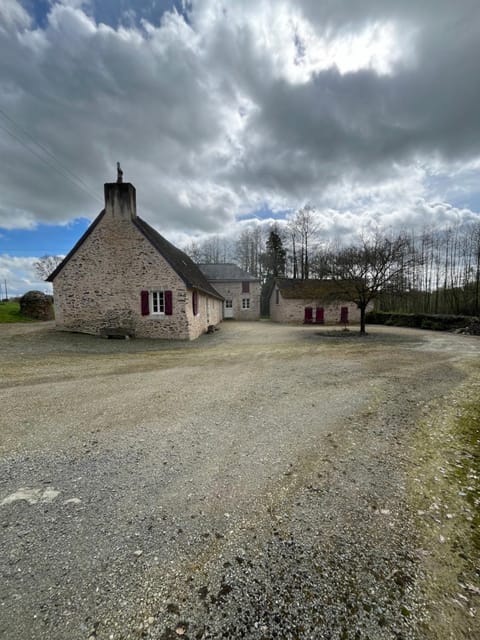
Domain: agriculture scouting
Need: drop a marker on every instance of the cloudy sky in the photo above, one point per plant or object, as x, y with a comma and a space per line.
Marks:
226, 112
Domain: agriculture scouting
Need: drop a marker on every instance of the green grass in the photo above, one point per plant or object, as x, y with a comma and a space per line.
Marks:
446, 494
10, 312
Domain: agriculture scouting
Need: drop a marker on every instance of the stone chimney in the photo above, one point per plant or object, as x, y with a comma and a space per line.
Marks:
120, 200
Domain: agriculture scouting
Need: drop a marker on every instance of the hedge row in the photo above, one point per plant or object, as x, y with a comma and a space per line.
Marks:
437, 322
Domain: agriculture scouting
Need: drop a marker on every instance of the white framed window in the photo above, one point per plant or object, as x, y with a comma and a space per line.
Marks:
228, 304
157, 303
245, 303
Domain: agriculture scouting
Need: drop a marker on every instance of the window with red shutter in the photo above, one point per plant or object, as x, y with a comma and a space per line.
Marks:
144, 301
168, 303
157, 303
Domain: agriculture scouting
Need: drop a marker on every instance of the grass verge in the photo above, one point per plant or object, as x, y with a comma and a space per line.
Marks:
10, 312
445, 489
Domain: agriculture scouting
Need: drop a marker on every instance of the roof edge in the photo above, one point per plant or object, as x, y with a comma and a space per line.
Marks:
139, 222
75, 248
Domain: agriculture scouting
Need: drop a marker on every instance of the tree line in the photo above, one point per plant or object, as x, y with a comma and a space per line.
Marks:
431, 271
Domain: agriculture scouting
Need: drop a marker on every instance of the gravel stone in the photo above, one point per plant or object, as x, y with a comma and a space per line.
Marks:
252, 484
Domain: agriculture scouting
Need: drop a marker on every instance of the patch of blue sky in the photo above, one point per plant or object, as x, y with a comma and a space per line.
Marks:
38, 10
43, 240
263, 213
466, 201
460, 190
112, 12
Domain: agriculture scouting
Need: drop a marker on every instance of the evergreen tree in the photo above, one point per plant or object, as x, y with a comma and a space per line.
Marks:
275, 255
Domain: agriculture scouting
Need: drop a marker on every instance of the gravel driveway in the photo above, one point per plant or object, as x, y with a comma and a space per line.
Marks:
251, 484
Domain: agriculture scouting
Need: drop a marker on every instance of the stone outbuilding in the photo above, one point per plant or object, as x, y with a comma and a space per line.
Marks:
124, 278
310, 302
240, 290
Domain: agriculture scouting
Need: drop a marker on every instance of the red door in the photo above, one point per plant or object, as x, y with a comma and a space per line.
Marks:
344, 315
308, 315
319, 315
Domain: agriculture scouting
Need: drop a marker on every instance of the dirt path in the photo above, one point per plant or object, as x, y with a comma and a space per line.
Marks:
251, 484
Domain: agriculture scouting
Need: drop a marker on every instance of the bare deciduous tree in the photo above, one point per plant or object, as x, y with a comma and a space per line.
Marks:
45, 265
213, 250
362, 271
249, 248
303, 229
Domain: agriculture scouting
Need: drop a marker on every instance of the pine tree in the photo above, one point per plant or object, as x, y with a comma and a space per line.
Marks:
275, 255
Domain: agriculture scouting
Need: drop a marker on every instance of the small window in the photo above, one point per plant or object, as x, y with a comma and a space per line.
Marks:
277, 296
158, 302
245, 303
195, 303
246, 287
228, 304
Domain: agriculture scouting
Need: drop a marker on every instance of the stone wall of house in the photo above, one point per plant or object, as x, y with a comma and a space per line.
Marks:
233, 290
99, 288
210, 311
293, 310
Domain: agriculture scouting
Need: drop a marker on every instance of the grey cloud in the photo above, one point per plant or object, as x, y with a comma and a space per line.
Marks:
362, 122
206, 124
93, 96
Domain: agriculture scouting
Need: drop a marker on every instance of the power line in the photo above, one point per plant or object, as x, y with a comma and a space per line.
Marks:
63, 171
44, 148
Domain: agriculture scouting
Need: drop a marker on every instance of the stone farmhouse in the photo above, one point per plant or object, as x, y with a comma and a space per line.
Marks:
310, 302
124, 278
240, 290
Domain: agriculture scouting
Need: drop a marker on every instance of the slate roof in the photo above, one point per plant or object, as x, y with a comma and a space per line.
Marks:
226, 273
312, 289
177, 259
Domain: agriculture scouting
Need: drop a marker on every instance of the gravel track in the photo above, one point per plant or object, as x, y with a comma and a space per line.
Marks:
251, 484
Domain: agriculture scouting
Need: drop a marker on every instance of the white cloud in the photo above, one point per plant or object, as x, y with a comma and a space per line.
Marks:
13, 15
19, 276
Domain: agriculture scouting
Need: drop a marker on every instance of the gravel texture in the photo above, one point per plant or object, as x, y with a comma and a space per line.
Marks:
252, 484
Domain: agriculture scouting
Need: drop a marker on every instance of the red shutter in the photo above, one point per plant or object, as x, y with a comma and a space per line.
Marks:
195, 302
308, 315
145, 306
319, 316
245, 287
344, 315
168, 303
